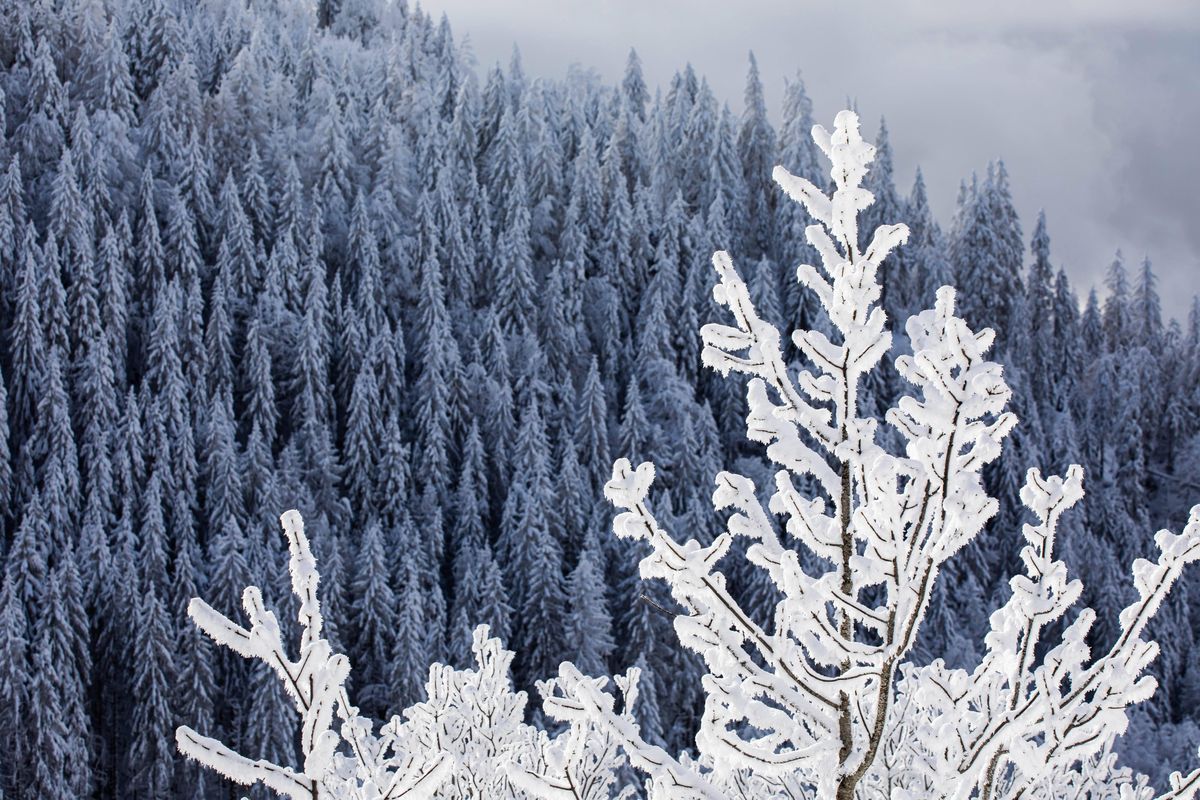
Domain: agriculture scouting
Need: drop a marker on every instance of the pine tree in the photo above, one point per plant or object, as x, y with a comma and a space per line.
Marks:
259, 404
987, 252
470, 506
65, 626
543, 610
152, 534
46, 727
409, 658
195, 179
6, 475
70, 219
113, 280
485, 600
756, 148
333, 163
151, 754
224, 503
634, 431
55, 453
158, 44
313, 400
40, 137
514, 263
592, 432
193, 684
367, 286
392, 474
1118, 315
1067, 328
374, 613
728, 182
1040, 306
16, 681
589, 627
437, 357
1147, 309
586, 185
240, 266
1092, 326
431, 566
27, 339
254, 194
633, 86
363, 434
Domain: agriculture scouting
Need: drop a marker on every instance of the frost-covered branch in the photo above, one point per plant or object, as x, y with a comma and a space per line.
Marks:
315, 681
467, 739
1070, 706
822, 701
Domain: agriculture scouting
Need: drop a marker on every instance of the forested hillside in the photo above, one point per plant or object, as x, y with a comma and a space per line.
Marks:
255, 257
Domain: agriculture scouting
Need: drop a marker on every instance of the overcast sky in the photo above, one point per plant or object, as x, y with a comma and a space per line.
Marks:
1093, 104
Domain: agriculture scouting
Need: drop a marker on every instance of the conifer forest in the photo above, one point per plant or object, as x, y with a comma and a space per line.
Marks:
262, 255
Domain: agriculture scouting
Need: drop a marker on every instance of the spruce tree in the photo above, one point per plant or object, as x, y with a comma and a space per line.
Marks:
27, 339
1147, 308
6, 474
987, 252
16, 681
46, 727
589, 628
409, 657
374, 612
151, 751
363, 435
756, 148
633, 86
514, 263
1118, 313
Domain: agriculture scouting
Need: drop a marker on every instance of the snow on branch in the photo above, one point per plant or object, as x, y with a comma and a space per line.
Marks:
823, 701
467, 739
315, 682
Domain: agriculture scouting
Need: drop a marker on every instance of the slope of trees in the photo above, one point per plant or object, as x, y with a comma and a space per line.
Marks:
260, 256
823, 701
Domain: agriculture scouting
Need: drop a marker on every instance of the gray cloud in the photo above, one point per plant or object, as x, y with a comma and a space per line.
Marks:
1093, 104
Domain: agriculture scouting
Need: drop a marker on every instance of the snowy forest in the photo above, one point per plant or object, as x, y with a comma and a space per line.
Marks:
261, 256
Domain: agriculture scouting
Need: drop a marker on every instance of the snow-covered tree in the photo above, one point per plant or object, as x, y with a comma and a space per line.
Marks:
824, 700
